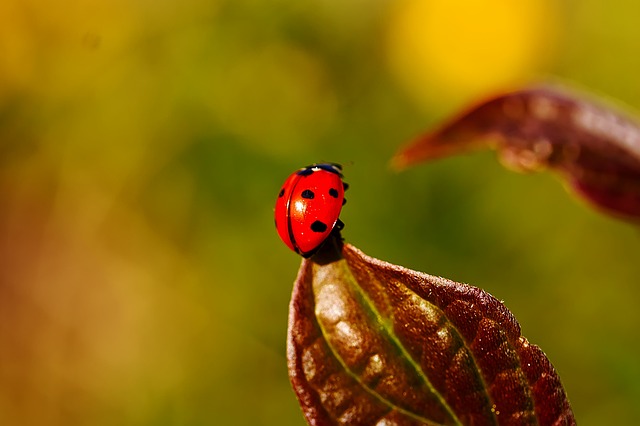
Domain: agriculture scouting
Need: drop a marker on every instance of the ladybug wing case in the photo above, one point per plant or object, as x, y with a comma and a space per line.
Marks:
310, 208
282, 211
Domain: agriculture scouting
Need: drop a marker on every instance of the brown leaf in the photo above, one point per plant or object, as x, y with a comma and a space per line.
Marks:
374, 343
595, 148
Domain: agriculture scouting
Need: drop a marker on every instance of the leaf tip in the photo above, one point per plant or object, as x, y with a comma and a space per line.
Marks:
424, 148
399, 162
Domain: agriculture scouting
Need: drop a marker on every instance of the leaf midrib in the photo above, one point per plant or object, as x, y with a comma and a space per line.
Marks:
387, 327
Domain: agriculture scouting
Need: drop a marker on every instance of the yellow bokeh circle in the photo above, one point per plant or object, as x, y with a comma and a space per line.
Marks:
454, 49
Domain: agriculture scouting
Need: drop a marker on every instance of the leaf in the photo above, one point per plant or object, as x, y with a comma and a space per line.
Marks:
596, 149
371, 343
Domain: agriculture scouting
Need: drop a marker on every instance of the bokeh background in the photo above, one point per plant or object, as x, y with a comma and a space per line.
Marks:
142, 144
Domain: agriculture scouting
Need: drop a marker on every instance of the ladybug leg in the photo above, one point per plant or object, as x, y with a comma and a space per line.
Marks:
345, 185
339, 225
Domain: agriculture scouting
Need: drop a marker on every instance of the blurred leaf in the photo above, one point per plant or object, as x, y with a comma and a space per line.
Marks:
596, 149
374, 343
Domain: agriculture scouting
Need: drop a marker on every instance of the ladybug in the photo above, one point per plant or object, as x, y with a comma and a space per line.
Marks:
308, 207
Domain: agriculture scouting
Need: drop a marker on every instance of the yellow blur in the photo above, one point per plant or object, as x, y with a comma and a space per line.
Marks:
447, 51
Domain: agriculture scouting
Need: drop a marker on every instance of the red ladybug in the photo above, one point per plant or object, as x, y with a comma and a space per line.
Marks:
308, 207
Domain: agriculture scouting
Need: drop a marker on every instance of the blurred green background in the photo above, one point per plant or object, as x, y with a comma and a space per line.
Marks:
142, 144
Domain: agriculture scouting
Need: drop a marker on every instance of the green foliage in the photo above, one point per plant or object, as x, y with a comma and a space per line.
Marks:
141, 149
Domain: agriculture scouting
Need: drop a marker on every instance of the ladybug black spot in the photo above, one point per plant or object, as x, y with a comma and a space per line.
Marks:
281, 193
333, 192
318, 226
308, 194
